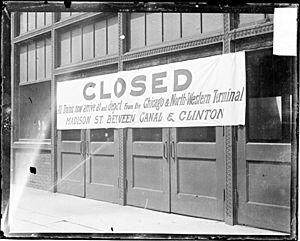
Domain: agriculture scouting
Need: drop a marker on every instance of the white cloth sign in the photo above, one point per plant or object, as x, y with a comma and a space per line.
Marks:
285, 31
202, 92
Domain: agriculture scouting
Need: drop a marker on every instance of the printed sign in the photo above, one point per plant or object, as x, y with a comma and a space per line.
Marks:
202, 92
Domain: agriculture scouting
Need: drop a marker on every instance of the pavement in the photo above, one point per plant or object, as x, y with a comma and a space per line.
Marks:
36, 211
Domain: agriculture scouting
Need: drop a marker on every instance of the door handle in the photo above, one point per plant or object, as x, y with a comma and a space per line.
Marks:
81, 147
172, 150
87, 147
165, 151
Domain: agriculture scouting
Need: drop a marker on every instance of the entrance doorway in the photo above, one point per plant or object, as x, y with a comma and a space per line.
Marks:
264, 144
88, 163
178, 170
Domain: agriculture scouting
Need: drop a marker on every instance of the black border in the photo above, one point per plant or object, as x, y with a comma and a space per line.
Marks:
217, 6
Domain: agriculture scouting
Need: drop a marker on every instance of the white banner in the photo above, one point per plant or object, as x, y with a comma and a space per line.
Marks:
202, 92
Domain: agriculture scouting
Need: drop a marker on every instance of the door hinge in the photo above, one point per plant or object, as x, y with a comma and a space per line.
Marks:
224, 195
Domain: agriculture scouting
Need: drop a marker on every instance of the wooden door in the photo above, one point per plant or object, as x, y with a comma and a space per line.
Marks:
148, 168
197, 171
102, 165
264, 144
71, 163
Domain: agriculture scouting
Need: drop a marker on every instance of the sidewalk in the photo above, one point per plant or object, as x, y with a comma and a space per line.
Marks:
41, 211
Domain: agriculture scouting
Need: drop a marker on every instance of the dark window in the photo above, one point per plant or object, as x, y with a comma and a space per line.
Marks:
247, 19
196, 134
269, 97
147, 134
102, 135
34, 109
71, 135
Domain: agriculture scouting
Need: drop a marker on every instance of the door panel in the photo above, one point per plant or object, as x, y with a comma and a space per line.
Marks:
148, 168
264, 149
264, 184
102, 165
197, 171
71, 163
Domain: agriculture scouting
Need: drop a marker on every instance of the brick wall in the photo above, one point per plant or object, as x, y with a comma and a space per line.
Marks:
28, 162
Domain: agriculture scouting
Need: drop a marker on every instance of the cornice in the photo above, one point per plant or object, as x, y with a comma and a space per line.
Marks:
251, 31
189, 44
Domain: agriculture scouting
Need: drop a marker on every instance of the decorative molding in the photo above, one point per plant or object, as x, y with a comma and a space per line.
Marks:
228, 175
121, 45
121, 132
251, 31
187, 44
87, 65
228, 145
54, 153
226, 39
122, 175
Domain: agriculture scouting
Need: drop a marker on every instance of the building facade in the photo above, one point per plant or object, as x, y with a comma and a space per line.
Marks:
235, 174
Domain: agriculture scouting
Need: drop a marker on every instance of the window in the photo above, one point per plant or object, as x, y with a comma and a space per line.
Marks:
196, 134
88, 41
28, 21
246, 19
102, 135
147, 29
66, 15
34, 102
269, 97
35, 111
35, 60
147, 134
